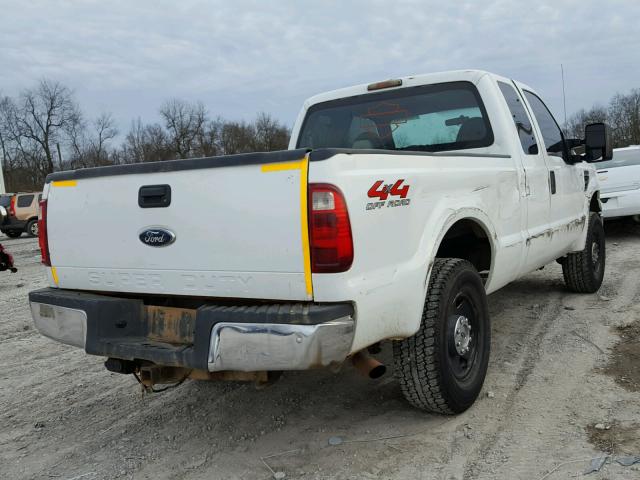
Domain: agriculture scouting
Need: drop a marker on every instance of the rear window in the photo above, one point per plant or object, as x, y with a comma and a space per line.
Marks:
24, 201
621, 158
5, 201
447, 116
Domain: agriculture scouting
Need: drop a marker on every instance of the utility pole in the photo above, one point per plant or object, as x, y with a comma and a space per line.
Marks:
2, 187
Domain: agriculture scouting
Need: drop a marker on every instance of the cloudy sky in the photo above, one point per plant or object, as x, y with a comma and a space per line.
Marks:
240, 57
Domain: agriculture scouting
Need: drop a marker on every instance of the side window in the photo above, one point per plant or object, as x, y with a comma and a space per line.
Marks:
24, 201
520, 118
551, 133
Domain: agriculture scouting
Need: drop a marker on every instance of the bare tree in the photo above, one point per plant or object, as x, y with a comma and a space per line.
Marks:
270, 134
104, 131
237, 137
624, 112
42, 116
184, 122
89, 142
576, 123
145, 143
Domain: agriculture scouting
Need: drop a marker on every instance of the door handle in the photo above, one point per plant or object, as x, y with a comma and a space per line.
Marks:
154, 196
552, 182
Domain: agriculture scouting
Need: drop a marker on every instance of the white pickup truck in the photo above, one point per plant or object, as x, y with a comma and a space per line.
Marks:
399, 206
620, 183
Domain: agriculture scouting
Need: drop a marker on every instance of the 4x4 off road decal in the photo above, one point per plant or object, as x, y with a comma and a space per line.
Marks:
384, 191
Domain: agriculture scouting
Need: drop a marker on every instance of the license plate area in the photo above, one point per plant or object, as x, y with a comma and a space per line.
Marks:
170, 324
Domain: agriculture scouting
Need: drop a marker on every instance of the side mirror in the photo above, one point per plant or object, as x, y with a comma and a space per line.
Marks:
597, 141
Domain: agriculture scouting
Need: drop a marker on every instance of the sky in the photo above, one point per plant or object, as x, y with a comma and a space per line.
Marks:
241, 57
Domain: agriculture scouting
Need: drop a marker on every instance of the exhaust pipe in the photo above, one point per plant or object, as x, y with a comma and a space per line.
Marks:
368, 366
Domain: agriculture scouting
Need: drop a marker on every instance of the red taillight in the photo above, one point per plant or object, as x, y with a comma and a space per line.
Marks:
329, 230
43, 240
12, 206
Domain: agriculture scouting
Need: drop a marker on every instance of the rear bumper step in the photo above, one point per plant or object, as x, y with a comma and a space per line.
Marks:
259, 337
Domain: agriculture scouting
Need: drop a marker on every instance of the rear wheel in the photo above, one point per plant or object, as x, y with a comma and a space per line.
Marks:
442, 367
13, 233
32, 228
584, 271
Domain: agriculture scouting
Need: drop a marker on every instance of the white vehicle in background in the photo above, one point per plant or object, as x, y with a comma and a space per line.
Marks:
399, 206
620, 183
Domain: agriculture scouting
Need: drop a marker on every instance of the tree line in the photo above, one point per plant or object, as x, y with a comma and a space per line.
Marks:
622, 114
43, 130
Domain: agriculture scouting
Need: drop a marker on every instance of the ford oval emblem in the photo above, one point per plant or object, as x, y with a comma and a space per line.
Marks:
157, 237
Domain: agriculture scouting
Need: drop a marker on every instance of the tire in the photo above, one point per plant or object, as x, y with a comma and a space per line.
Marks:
584, 271
433, 374
32, 228
13, 233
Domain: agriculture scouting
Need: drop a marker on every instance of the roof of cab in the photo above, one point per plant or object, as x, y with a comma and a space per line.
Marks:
473, 76
409, 81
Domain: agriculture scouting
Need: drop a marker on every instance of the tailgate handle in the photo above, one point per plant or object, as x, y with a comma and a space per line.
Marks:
154, 196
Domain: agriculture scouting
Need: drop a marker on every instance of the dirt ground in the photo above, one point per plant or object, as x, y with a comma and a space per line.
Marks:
559, 392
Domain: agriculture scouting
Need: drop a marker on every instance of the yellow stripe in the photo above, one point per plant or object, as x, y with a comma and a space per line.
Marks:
64, 183
278, 167
303, 166
54, 274
306, 257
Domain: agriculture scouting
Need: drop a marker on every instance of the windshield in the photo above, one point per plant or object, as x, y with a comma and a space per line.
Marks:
621, 158
447, 116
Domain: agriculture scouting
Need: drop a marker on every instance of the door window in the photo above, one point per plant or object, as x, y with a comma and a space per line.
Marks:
551, 133
520, 118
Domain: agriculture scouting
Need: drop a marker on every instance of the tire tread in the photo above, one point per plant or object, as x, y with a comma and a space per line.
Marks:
416, 360
576, 267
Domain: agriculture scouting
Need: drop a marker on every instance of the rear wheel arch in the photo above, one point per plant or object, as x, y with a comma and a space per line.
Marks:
468, 238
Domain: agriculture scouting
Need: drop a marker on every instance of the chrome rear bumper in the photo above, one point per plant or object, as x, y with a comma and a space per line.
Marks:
254, 347
213, 337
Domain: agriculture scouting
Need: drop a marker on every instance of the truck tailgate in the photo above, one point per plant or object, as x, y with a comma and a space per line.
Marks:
240, 228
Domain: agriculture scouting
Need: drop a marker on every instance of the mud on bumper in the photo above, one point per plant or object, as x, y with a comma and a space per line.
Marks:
213, 337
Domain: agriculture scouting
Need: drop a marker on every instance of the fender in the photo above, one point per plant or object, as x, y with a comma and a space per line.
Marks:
592, 189
445, 223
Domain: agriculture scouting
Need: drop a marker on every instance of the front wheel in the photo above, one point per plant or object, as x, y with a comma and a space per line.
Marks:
442, 367
584, 271
13, 233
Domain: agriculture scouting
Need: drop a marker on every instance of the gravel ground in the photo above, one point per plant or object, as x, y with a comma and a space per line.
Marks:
560, 391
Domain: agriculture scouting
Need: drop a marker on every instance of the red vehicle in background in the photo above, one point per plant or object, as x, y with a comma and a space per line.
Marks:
6, 260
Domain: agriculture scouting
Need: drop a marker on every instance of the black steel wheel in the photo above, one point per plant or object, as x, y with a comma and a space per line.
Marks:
584, 271
442, 367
